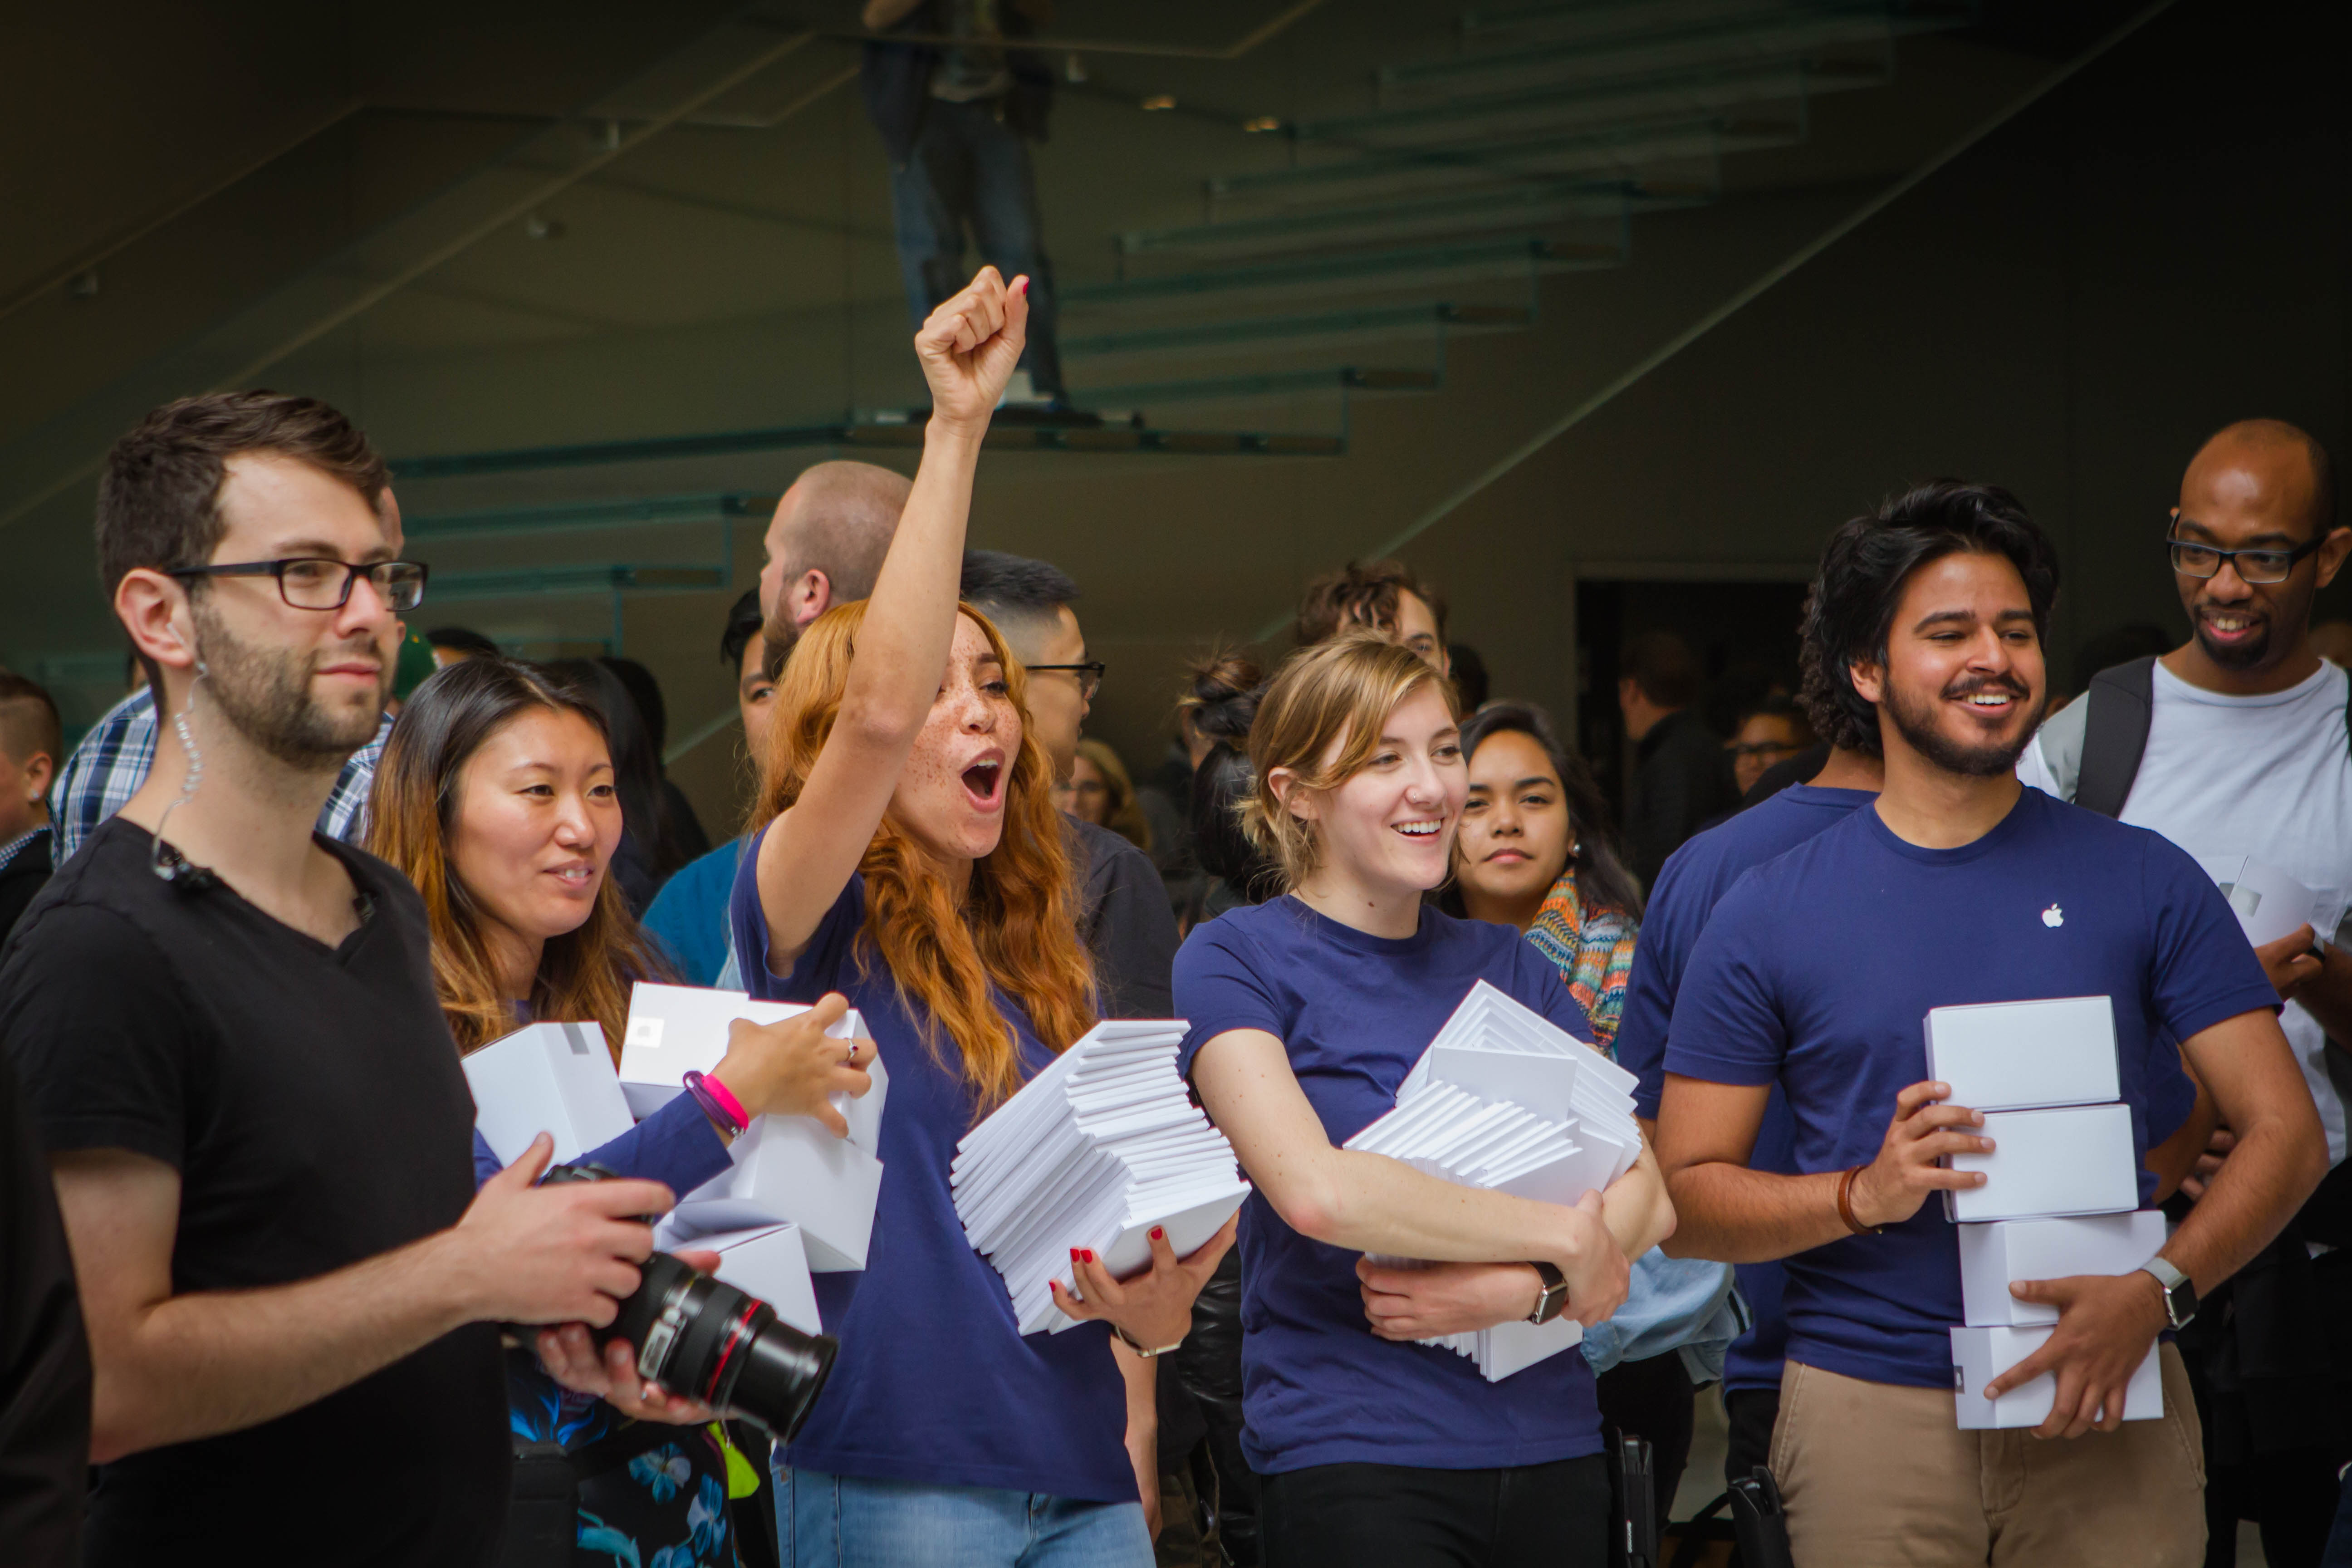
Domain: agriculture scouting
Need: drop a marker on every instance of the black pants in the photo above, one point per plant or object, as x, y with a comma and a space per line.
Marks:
1371, 1516
1751, 1412
1653, 1399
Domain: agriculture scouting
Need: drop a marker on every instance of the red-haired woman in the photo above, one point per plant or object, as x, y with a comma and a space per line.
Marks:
914, 861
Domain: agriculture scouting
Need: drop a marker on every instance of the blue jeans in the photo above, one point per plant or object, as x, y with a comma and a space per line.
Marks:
849, 1521
970, 167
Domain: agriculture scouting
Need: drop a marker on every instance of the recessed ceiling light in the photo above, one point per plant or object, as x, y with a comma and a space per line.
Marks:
1263, 122
1159, 100
539, 226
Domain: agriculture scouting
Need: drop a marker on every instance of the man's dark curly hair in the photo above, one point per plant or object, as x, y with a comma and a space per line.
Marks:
1850, 608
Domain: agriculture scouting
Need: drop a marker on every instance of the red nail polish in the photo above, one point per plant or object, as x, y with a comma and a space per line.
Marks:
1088, 1254
1076, 1252
1159, 1233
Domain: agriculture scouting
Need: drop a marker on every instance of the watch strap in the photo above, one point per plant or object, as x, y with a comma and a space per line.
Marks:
1555, 1292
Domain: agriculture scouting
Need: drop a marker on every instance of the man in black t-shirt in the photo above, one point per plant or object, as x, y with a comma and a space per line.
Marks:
228, 1036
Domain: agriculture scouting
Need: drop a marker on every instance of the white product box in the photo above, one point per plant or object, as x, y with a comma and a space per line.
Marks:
788, 1169
674, 1029
768, 1263
2268, 903
1980, 1355
547, 1078
1994, 1257
2074, 1160
2013, 1056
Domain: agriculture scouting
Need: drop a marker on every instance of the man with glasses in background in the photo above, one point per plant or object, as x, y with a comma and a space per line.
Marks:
2235, 744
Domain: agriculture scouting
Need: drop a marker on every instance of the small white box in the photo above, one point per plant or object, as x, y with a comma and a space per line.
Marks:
2078, 1160
547, 1078
2268, 903
788, 1169
2014, 1056
1980, 1355
1994, 1257
673, 1029
768, 1263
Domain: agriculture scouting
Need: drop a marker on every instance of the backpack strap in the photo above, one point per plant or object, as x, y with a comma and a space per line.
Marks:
2121, 701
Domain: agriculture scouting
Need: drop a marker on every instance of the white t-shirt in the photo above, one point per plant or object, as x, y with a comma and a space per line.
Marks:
2269, 776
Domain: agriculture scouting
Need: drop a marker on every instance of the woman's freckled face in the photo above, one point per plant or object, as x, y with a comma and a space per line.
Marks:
951, 797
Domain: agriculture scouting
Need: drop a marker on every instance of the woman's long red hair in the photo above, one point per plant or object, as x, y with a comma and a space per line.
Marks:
1017, 930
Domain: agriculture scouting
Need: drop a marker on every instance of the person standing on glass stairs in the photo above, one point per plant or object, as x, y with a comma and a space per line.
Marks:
957, 120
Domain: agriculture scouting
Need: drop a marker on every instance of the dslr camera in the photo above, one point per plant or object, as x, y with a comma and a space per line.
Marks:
703, 1339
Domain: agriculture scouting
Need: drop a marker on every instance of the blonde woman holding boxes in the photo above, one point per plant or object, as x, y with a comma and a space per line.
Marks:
1306, 1013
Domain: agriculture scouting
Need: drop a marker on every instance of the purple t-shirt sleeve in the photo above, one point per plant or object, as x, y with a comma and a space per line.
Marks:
820, 964
1218, 989
1727, 1025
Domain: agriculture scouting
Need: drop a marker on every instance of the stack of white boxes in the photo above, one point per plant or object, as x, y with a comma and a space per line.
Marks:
2061, 1196
1503, 1098
1098, 1148
785, 1169
559, 1079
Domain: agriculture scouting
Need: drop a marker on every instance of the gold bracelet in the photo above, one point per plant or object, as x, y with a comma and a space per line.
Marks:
1128, 1340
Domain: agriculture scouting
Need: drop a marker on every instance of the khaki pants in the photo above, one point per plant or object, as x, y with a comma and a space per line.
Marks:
1876, 1473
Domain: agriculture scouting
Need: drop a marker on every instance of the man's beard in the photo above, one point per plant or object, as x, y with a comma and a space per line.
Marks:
265, 694
777, 634
1916, 725
2245, 655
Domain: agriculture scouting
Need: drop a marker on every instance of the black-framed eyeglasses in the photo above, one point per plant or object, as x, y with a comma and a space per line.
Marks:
1090, 675
2193, 560
318, 582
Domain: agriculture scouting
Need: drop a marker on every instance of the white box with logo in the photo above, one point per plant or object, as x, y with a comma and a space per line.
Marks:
675, 1029
785, 1169
1981, 1355
1994, 1257
2077, 1160
547, 1078
2015, 1056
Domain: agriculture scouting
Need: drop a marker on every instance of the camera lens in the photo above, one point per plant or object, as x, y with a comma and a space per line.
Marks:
702, 1337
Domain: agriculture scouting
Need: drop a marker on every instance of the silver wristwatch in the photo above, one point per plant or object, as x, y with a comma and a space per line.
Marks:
2180, 1295
1555, 1293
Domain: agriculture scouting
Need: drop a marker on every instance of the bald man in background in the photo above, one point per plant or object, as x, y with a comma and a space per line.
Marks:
2247, 754
825, 547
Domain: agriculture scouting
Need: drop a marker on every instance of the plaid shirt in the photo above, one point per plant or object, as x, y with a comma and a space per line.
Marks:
107, 769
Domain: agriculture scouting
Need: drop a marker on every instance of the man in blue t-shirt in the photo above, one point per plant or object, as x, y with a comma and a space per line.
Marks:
1694, 878
1959, 886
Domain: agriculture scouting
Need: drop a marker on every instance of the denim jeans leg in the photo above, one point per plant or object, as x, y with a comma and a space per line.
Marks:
853, 1521
1010, 232
1073, 1535
930, 195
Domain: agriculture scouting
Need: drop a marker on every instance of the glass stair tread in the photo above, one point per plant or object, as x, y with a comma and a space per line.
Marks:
1257, 387
1255, 332
1617, 20
1533, 111
565, 517
1696, 45
1678, 152
1535, 205
1410, 267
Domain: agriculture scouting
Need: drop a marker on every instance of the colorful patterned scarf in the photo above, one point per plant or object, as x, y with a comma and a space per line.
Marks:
1592, 950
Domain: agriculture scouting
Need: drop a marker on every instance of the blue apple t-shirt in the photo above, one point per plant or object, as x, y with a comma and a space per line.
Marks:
934, 1382
1355, 1013
1696, 877
1819, 968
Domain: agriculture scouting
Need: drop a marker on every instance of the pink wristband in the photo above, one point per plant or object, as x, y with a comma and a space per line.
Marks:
727, 1100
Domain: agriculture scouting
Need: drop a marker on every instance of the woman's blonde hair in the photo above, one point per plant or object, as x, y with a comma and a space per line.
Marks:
413, 807
1124, 815
1016, 930
1335, 693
